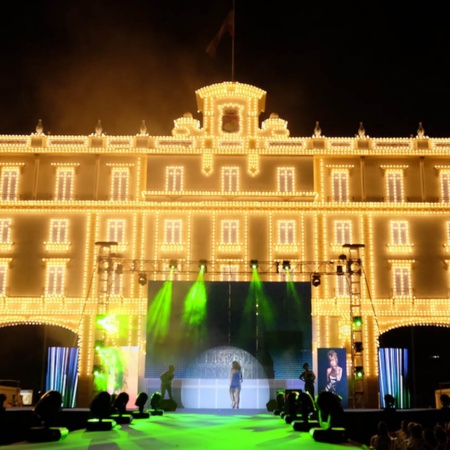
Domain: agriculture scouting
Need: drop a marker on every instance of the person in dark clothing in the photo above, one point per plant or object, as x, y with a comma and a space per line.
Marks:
308, 376
166, 382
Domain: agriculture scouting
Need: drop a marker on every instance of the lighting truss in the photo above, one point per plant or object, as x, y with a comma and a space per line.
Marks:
165, 266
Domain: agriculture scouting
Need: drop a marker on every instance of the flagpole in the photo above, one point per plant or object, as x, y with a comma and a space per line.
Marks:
232, 41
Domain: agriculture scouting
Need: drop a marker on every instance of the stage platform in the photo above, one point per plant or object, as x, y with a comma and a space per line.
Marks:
205, 428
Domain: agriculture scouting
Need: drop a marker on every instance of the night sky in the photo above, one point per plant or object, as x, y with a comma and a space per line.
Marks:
72, 63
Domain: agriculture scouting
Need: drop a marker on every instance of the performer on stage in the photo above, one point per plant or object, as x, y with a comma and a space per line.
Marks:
308, 376
166, 382
235, 384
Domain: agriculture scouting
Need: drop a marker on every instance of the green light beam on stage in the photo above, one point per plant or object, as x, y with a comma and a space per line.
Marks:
112, 327
158, 316
194, 314
292, 291
109, 324
100, 381
111, 375
258, 295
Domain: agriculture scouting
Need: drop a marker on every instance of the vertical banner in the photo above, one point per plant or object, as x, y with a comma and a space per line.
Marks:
62, 373
332, 372
393, 376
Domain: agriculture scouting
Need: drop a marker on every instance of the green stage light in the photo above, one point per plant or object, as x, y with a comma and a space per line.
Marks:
98, 370
254, 264
109, 324
173, 263
286, 265
203, 265
359, 372
357, 322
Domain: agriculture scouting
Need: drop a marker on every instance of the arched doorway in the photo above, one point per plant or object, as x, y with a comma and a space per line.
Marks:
429, 356
23, 353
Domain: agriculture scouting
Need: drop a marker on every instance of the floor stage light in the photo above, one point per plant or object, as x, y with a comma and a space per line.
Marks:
46, 412
140, 402
101, 412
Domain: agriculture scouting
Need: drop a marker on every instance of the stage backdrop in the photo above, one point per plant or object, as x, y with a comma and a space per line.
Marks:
269, 321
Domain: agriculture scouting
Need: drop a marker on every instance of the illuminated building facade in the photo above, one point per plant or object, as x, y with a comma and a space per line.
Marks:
226, 191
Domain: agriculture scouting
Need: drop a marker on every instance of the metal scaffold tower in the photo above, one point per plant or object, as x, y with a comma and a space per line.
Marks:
353, 274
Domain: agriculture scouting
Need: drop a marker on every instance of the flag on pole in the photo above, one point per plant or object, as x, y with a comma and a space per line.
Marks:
227, 27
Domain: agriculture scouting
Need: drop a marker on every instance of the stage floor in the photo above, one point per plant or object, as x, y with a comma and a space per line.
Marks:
194, 429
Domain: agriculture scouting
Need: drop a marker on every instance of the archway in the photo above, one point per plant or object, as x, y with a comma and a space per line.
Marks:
429, 356
23, 353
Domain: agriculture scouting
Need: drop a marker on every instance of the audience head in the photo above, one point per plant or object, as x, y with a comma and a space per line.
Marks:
382, 428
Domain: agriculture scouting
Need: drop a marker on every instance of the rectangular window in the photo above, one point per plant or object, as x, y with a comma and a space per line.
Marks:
343, 232
286, 232
116, 230
3, 273
339, 186
64, 183
10, 182
402, 281
59, 231
399, 232
445, 186
5, 231
230, 179
342, 287
174, 178
55, 280
230, 232
172, 231
286, 179
119, 183
394, 186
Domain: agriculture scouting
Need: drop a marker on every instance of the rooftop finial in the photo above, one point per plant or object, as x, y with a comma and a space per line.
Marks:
420, 131
361, 130
143, 129
39, 127
99, 128
317, 130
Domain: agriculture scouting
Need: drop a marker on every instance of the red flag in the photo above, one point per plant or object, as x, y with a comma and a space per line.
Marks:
227, 27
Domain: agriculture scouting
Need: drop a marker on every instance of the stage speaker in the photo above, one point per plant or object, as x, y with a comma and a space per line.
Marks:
168, 405
300, 425
330, 435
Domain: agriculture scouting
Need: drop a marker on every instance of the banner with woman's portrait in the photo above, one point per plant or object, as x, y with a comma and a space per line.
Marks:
332, 372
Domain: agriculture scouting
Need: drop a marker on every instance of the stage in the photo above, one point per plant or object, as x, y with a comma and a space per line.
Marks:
204, 429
